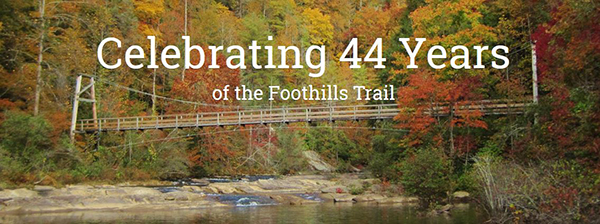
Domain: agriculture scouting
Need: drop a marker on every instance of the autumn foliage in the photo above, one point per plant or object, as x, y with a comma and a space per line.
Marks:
441, 126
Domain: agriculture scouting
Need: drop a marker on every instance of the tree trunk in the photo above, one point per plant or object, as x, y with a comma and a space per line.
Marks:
451, 130
154, 93
38, 83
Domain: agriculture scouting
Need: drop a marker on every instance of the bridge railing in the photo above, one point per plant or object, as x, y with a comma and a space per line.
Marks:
487, 107
242, 117
290, 114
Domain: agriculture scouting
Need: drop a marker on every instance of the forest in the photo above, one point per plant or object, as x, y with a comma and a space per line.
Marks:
539, 165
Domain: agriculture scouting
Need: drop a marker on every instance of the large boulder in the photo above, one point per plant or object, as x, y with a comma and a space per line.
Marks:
399, 200
461, 196
141, 191
18, 193
182, 196
369, 198
316, 163
224, 188
291, 199
199, 182
249, 189
280, 185
343, 198
191, 188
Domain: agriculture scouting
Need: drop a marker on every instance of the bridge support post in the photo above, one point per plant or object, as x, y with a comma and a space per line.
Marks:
76, 98
283, 112
93, 98
75, 108
306, 111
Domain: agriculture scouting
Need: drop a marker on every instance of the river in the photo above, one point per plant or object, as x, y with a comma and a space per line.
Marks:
316, 213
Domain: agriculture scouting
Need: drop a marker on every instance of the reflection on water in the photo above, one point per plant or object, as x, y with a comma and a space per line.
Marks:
319, 213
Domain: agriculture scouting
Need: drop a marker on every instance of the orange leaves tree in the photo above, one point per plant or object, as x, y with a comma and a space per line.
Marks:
423, 94
435, 103
199, 84
426, 102
215, 145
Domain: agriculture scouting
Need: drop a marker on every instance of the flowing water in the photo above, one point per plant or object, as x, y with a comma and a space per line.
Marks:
246, 213
244, 200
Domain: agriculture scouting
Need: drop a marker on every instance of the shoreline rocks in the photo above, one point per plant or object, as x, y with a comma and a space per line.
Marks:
290, 190
81, 197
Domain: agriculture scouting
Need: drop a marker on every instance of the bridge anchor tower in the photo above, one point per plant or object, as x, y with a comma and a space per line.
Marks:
77, 98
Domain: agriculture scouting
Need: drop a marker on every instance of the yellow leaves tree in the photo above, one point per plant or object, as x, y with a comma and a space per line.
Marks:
319, 26
450, 23
149, 13
214, 24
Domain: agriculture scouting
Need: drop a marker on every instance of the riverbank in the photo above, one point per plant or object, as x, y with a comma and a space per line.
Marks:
287, 190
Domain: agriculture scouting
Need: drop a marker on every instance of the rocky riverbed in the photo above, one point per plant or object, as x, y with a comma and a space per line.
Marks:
291, 190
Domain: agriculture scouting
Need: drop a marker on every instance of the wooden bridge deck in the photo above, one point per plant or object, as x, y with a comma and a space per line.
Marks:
286, 115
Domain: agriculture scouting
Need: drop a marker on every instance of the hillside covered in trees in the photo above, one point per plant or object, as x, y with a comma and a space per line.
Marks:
542, 164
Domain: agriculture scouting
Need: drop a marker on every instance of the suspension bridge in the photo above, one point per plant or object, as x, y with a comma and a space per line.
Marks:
237, 116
